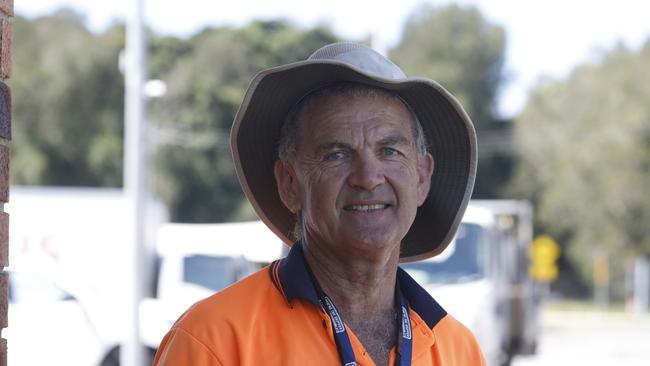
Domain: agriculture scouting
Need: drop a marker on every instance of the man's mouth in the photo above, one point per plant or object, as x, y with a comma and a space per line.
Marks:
366, 208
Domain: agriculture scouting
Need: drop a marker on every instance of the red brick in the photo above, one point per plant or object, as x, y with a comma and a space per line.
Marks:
4, 239
4, 173
5, 49
3, 352
5, 111
4, 295
7, 7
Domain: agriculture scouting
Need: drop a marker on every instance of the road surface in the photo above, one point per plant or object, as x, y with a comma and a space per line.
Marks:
591, 338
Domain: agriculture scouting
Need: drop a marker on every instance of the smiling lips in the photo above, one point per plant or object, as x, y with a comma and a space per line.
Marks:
366, 208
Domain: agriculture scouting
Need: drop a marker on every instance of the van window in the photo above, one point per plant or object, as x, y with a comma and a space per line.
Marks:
212, 272
466, 262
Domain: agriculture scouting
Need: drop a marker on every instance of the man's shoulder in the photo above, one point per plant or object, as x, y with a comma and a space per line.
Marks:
450, 328
456, 341
233, 304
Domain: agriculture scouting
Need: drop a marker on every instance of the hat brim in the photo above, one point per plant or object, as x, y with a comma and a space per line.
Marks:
449, 132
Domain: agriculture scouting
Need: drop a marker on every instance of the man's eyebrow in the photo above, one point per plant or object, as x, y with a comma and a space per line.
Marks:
331, 145
394, 140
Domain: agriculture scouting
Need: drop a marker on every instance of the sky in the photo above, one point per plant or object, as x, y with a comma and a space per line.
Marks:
545, 39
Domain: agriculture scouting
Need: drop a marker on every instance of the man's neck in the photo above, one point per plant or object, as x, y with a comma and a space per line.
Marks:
358, 286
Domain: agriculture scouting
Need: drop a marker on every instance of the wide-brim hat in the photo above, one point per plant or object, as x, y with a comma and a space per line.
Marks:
449, 132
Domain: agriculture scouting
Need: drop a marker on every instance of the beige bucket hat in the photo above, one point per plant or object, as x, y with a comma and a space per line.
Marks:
448, 130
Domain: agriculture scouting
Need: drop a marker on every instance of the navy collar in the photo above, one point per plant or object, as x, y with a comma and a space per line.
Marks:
292, 277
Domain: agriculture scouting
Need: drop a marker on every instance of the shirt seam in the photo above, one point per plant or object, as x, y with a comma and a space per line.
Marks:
195, 339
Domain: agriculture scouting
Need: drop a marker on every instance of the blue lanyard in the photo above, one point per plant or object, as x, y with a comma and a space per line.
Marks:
404, 345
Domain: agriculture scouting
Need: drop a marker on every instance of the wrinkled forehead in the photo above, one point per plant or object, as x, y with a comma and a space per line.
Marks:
355, 112
346, 121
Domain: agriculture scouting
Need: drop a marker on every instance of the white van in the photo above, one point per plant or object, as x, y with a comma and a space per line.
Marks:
197, 260
42, 309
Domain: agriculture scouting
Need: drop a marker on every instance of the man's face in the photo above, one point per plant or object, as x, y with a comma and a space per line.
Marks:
357, 178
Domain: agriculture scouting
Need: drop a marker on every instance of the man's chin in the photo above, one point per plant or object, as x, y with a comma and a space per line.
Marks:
374, 240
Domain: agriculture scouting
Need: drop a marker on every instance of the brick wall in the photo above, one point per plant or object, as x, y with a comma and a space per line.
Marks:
6, 12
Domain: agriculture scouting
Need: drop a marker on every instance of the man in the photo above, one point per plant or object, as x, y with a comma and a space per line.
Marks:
358, 168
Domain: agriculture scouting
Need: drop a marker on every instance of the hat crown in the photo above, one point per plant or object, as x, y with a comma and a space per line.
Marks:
361, 57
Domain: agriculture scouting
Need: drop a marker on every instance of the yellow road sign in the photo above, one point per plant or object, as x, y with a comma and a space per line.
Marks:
544, 254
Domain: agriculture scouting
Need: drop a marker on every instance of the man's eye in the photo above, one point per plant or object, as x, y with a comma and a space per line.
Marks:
389, 151
333, 156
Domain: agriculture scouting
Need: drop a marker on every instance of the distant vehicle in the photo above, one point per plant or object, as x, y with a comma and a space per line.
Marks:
198, 260
41, 310
481, 278
514, 221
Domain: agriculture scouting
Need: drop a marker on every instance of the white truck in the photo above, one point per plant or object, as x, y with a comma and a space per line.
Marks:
482, 278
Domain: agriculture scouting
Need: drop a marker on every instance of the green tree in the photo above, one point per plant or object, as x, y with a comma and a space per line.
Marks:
67, 103
585, 143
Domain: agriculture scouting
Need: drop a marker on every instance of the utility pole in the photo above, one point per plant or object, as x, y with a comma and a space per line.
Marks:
131, 352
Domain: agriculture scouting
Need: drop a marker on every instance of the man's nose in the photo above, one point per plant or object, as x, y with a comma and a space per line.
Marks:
367, 173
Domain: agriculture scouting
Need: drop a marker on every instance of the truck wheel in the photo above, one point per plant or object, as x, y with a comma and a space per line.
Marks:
505, 359
113, 357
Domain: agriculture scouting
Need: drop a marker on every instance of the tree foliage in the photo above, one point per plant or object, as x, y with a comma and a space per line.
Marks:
585, 143
67, 103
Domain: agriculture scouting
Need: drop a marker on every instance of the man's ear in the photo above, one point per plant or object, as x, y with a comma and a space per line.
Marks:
288, 189
425, 170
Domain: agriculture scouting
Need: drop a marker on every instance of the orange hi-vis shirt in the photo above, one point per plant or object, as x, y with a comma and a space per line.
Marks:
274, 317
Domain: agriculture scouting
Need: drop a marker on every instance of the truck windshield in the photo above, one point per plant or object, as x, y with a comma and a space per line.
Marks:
461, 261
212, 272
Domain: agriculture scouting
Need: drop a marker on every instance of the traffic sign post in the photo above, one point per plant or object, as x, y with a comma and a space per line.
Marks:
601, 280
